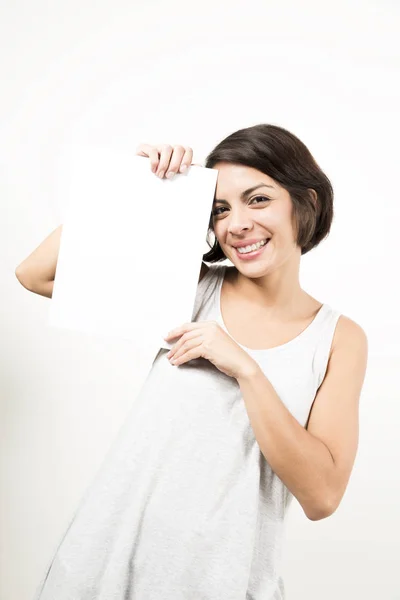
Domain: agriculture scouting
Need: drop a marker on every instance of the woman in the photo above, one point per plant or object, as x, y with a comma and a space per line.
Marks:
256, 402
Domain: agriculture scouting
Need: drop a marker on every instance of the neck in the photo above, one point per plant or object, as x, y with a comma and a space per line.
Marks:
278, 293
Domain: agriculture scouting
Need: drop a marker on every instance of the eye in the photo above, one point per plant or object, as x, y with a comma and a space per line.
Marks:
262, 199
215, 212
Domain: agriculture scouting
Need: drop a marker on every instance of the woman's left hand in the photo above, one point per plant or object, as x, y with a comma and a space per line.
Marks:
208, 340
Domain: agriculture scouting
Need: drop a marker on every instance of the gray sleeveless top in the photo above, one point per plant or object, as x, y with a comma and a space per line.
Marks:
185, 506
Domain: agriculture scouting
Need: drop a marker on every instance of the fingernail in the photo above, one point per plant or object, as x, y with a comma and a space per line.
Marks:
182, 168
161, 174
170, 174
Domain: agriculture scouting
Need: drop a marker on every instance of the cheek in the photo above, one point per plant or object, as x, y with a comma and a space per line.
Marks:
276, 223
219, 229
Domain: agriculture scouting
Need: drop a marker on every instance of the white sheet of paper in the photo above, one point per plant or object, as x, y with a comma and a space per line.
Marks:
131, 246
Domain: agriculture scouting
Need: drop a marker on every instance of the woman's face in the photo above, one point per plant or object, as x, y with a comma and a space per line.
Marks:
265, 212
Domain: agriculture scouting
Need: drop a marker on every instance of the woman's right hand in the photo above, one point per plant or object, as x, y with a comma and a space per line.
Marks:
165, 159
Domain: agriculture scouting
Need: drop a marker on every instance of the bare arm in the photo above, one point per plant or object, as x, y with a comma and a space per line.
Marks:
37, 272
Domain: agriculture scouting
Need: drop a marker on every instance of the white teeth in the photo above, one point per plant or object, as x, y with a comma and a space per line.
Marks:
251, 248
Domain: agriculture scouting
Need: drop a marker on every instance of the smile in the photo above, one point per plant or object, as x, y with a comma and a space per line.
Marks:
247, 253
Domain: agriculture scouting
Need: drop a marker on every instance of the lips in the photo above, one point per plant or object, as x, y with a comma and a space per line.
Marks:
245, 243
253, 254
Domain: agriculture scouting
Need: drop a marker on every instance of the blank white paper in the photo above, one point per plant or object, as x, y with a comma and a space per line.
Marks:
131, 246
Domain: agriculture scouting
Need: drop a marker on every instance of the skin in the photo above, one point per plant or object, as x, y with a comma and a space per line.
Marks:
271, 281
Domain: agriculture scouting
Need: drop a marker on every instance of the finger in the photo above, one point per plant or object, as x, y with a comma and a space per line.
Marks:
176, 159
165, 152
183, 338
154, 159
177, 331
151, 152
189, 353
186, 160
184, 344
143, 149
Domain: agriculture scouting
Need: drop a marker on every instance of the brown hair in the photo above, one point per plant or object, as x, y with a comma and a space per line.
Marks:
283, 157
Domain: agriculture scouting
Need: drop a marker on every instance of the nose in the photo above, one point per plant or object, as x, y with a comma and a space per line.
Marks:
238, 223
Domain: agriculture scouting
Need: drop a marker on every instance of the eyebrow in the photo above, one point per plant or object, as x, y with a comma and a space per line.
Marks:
246, 192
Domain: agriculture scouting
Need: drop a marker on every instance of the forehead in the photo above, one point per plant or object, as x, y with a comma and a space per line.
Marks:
234, 178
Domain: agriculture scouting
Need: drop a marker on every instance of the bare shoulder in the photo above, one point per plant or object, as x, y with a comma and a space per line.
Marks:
349, 336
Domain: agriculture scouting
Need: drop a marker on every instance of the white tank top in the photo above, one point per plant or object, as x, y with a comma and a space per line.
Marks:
185, 506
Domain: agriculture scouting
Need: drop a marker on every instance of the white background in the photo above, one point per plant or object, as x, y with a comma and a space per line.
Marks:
120, 73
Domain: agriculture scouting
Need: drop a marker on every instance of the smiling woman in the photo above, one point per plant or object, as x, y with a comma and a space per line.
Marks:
255, 403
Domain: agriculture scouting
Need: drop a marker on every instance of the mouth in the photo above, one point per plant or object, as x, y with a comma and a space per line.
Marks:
243, 255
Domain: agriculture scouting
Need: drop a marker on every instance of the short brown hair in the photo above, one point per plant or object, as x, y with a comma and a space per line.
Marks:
283, 157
